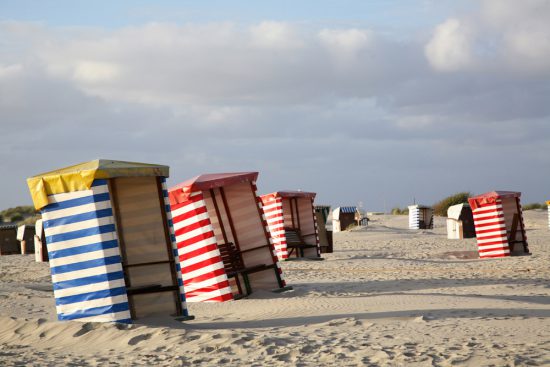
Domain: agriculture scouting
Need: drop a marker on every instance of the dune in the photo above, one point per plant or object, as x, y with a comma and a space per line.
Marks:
386, 296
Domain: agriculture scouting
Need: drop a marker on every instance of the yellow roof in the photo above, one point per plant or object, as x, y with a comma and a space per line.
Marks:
548, 202
81, 176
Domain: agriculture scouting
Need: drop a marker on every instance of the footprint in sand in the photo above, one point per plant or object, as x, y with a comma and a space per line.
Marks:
86, 328
139, 338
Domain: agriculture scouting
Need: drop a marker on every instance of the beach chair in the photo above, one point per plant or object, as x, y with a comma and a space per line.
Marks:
234, 266
295, 243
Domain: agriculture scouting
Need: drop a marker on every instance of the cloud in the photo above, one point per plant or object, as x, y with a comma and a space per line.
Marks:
275, 35
352, 113
450, 48
10, 70
95, 72
504, 36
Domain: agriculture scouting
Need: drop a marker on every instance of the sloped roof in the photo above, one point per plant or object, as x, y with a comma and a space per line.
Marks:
181, 192
291, 194
455, 211
348, 209
490, 197
80, 177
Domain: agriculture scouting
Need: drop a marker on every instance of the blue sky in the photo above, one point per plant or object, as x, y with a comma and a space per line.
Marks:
373, 13
377, 102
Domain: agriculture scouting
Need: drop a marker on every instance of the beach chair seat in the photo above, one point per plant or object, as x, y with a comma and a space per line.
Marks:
295, 242
234, 265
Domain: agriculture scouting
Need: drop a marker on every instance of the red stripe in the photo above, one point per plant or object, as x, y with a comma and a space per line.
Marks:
493, 249
198, 238
490, 224
485, 211
203, 277
190, 214
480, 231
200, 251
491, 236
193, 226
498, 215
212, 288
501, 242
202, 264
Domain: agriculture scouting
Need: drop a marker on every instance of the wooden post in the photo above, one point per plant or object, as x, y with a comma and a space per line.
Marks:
23, 247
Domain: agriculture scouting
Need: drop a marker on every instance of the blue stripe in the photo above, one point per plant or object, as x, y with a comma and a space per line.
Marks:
124, 321
102, 213
105, 293
348, 209
167, 208
88, 280
71, 203
96, 311
86, 264
162, 179
99, 182
83, 249
80, 233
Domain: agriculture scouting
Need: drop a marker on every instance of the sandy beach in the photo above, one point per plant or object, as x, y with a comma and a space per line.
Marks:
387, 296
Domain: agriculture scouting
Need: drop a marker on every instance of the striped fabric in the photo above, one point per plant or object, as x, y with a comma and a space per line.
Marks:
414, 218
85, 262
548, 215
267, 233
203, 274
348, 209
273, 213
417, 214
491, 230
174, 245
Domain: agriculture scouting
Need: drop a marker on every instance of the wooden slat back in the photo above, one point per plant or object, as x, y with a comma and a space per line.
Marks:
232, 261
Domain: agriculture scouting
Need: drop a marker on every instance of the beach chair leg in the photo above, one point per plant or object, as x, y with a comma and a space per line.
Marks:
278, 276
239, 288
247, 284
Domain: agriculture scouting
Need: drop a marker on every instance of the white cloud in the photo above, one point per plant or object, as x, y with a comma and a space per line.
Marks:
95, 72
504, 36
10, 70
450, 48
275, 35
345, 40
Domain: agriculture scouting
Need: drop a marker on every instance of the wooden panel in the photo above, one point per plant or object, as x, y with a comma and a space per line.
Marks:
251, 233
140, 219
161, 303
144, 241
307, 225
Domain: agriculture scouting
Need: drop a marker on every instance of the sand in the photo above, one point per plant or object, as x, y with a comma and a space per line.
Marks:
387, 296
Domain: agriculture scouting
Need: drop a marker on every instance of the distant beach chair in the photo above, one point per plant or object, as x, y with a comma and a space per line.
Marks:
292, 224
499, 224
421, 217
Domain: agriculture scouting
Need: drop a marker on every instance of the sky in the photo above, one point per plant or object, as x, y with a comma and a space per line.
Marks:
375, 102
